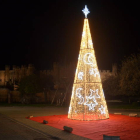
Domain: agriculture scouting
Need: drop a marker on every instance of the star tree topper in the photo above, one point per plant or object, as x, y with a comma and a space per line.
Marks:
86, 11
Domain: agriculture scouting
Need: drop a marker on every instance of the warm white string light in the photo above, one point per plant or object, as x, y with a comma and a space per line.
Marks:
87, 99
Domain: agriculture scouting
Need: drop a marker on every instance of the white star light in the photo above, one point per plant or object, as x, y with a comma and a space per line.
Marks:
95, 91
90, 100
86, 11
102, 109
94, 71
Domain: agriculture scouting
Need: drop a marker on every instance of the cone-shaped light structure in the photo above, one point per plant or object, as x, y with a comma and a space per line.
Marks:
87, 99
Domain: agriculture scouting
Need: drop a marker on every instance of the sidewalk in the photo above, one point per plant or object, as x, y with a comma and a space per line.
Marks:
125, 111
19, 114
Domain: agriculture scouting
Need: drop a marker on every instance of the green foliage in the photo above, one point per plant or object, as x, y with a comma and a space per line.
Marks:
30, 85
111, 86
130, 76
46, 81
9, 86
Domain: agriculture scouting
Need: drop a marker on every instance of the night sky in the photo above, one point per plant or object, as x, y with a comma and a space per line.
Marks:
41, 33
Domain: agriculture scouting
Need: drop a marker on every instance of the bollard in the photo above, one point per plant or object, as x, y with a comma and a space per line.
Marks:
133, 115
30, 116
105, 137
68, 129
45, 122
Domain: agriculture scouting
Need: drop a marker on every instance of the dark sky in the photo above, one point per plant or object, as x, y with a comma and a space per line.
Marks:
45, 32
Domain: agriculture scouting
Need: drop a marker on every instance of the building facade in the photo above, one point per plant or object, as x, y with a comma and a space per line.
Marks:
58, 72
15, 74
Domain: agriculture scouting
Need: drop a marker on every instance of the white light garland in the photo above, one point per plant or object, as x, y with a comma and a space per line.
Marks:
88, 59
78, 90
83, 34
69, 109
90, 42
80, 75
94, 71
103, 94
102, 109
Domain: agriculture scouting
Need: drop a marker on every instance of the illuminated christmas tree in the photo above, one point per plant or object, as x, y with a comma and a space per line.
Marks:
87, 99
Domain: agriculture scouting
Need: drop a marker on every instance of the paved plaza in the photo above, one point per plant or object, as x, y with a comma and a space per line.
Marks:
31, 130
